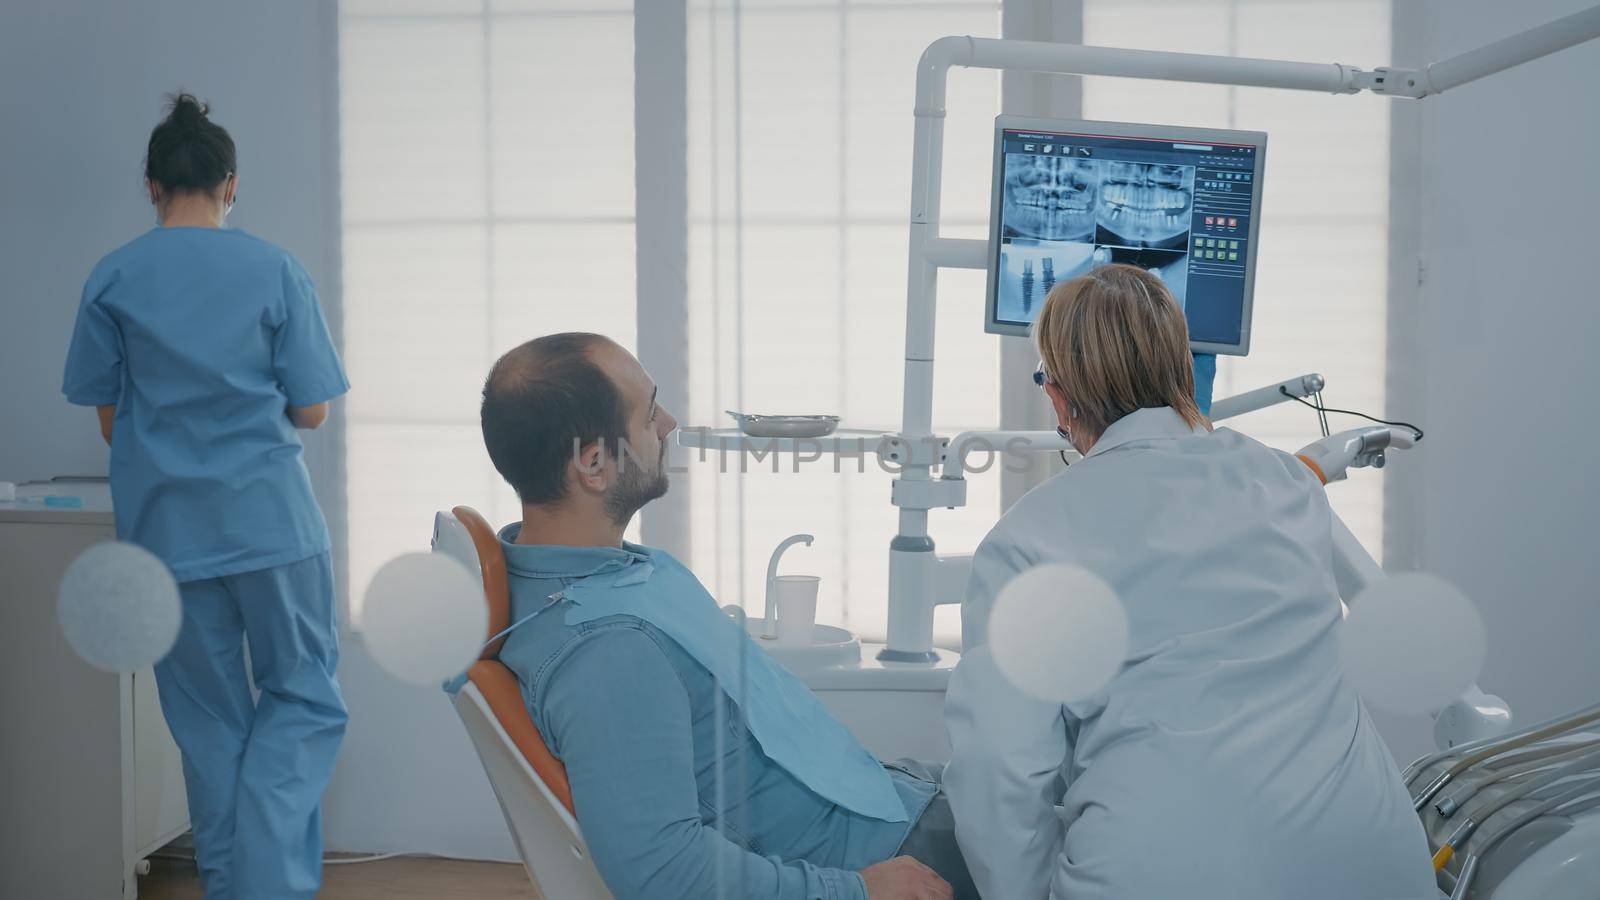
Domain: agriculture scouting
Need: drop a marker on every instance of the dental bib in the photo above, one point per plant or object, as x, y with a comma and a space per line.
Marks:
792, 726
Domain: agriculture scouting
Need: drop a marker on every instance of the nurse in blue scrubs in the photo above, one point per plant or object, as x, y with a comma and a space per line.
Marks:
204, 349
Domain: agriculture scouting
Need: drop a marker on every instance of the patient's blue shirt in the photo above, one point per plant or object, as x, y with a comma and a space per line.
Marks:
644, 730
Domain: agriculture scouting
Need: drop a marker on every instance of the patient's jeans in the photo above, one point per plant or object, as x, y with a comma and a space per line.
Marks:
932, 840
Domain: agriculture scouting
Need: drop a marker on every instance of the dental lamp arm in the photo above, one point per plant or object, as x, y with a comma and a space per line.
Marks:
1261, 398
1503, 54
996, 442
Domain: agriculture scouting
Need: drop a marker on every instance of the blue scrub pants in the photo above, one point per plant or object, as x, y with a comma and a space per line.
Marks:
255, 769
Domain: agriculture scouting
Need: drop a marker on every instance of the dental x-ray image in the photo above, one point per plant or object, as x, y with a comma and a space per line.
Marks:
1029, 270
1050, 198
1171, 266
1144, 205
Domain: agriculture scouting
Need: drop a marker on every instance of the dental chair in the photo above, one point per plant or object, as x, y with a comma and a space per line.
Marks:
530, 783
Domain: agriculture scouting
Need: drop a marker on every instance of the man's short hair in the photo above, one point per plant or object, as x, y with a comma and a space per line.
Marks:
542, 402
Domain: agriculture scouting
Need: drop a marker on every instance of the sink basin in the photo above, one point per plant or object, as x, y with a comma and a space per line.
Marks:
830, 647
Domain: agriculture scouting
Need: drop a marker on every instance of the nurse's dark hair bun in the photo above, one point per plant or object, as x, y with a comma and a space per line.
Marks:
188, 151
188, 111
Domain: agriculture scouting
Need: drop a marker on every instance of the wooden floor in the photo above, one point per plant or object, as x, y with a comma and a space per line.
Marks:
404, 878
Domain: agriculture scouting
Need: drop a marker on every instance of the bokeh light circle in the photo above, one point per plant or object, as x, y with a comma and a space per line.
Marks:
424, 618
1058, 633
1412, 643
118, 607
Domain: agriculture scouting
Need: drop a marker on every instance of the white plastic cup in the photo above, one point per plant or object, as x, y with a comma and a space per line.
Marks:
797, 608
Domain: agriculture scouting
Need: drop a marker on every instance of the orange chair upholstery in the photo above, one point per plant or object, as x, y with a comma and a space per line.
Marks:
496, 682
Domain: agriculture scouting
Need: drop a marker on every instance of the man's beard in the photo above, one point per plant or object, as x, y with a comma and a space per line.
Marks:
635, 486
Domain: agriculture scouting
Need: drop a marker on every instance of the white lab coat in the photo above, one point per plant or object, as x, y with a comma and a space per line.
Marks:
1227, 758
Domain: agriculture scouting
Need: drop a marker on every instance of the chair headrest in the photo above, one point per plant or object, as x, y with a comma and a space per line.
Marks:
492, 560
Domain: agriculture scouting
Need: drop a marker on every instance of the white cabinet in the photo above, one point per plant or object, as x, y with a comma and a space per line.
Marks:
90, 781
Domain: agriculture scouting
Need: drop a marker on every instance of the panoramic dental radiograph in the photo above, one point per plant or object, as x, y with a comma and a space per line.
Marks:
1050, 198
1144, 204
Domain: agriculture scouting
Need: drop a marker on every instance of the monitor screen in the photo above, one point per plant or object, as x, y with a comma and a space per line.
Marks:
1181, 202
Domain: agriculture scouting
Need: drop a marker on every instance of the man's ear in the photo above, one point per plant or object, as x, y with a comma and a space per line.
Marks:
589, 467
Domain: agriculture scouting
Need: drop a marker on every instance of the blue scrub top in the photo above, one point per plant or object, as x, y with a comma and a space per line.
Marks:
203, 337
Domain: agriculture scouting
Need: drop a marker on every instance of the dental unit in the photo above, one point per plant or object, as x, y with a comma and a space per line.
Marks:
1152, 200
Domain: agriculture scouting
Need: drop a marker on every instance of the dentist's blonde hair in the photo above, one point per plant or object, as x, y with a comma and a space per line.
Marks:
1114, 340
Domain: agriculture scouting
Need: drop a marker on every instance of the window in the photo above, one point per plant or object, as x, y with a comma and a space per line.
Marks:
1321, 278
487, 166
488, 196
799, 192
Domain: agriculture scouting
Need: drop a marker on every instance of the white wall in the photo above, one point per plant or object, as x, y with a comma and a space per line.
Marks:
1502, 496
81, 85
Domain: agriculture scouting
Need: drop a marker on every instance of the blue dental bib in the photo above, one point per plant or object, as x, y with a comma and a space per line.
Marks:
792, 726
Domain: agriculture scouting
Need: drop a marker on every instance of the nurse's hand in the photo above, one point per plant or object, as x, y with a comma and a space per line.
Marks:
903, 878
308, 416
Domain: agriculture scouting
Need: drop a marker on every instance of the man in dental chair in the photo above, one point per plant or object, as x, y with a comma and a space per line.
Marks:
688, 780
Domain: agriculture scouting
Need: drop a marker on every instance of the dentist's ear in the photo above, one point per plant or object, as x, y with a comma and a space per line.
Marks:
1064, 408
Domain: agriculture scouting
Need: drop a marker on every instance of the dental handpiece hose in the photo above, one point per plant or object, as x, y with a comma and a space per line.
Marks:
1464, 833
1469, 868
1514, 768
1560, 724
1550, 729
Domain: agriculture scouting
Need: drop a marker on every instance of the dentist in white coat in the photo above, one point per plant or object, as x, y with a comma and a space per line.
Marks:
1227, 758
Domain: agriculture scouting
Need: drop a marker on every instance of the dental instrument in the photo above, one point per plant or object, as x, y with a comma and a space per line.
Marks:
785, 426
1497, 745
1573, 796
1511, 769
1467, 828
1509, 779
1492, 748
1553, 726
1333, 456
